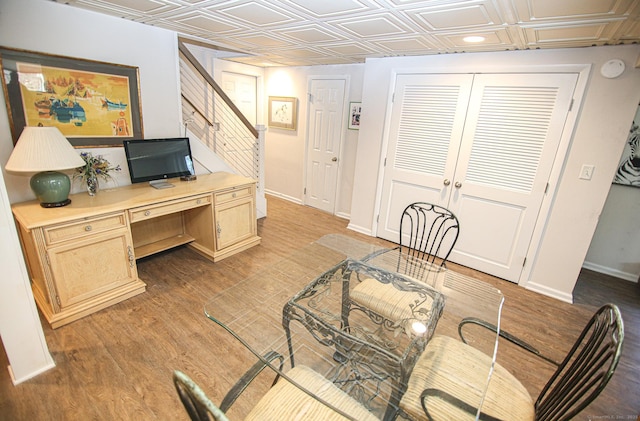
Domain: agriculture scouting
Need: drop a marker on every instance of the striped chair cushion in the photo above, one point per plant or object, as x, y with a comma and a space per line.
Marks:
398, 306
459, 369
284, 401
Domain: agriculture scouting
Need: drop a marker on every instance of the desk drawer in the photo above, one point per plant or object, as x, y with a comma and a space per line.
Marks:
82, 228
236, 193
174, 206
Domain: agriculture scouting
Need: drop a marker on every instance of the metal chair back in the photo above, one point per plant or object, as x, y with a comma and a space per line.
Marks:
587, 368
428, 232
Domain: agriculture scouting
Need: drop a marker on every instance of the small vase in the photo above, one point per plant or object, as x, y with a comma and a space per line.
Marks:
92, 185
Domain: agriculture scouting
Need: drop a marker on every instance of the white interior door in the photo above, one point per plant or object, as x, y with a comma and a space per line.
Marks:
326, 106
242, 90
427, 121
508, 149
496, 171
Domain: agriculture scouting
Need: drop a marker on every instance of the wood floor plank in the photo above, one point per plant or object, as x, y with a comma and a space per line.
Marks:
117, 364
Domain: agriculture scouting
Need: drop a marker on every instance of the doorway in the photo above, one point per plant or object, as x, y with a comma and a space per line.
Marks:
324, 140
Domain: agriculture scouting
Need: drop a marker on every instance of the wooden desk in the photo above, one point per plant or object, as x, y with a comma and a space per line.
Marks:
82, 257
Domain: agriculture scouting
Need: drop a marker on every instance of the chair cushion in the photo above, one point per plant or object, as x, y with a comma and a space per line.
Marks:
454, 367
401, 307
284, 401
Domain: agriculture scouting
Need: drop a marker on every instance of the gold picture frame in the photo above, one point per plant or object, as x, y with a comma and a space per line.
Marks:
93, 103
283, 112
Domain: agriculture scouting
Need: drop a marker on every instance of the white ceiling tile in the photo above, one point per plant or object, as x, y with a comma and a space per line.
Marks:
206, 23
324, 8
256, 13
373, 26
459, 17
404, 45
310, 32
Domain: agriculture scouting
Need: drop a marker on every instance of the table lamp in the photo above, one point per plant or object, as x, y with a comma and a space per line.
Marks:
45, 151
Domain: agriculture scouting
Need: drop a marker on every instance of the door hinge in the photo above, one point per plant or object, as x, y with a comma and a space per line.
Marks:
571, 104
546, 188
384, 164
305, 191
377, 218
310, 97
393, 97
58, 300
524, 262
46, 257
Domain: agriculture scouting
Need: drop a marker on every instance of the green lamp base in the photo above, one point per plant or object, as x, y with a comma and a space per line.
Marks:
51, 188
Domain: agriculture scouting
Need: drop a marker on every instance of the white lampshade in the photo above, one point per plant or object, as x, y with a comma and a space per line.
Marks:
43, 149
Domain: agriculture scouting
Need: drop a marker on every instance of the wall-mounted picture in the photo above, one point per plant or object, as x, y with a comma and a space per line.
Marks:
282, 112
355, 109
628, 173
94, 104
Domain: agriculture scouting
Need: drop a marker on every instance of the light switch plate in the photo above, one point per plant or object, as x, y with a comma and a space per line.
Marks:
586, 172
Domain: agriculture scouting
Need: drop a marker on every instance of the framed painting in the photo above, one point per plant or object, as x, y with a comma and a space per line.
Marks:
628, 173
282, 112
355, 109
94, 104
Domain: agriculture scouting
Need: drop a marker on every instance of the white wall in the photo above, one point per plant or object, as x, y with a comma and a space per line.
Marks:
41, 26
615, 249
598, 139
286, 150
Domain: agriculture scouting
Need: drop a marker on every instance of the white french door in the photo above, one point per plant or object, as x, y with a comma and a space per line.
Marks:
483, 146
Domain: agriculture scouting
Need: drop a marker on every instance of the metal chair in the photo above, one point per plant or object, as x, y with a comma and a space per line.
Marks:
285, 401
578, 380
428, 232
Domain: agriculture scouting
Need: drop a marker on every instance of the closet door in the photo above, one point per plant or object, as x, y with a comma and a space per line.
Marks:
482, 146
427, 120
509, 144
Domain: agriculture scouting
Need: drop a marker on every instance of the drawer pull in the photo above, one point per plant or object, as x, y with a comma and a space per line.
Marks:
199, 201
88, 228
131, 257
234, 194
147, 213
218, 229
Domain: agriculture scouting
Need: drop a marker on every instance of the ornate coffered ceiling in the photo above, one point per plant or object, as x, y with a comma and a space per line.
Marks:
315, 32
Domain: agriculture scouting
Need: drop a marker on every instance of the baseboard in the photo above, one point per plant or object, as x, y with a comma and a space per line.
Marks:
343, 215
361, 230
550, 292
17, 381
633, 277
284, 196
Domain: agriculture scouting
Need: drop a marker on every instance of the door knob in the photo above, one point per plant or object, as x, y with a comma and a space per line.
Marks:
334, 159
446, 181
458, 184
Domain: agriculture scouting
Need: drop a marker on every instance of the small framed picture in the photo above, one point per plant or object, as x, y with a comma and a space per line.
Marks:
282, 112
354, 115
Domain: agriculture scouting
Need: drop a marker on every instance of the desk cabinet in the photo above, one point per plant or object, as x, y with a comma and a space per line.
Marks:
234, 210
82, 257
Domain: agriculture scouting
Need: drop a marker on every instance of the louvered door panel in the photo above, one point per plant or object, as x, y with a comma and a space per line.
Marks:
508, 148
426, 125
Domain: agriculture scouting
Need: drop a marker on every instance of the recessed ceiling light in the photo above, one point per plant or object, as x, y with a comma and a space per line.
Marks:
473, 38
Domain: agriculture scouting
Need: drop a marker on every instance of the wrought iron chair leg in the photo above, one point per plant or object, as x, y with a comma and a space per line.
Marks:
248, 377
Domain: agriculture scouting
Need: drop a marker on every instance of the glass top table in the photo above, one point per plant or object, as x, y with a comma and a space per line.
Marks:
360, 315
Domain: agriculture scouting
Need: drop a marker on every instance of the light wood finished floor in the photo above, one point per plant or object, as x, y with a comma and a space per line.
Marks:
117, 363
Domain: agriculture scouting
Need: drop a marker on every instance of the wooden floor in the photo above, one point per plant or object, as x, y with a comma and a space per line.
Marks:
117, 364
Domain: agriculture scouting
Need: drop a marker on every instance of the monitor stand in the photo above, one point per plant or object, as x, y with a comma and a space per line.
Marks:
160, 184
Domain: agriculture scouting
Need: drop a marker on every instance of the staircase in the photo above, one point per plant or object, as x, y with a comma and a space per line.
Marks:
221, 137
